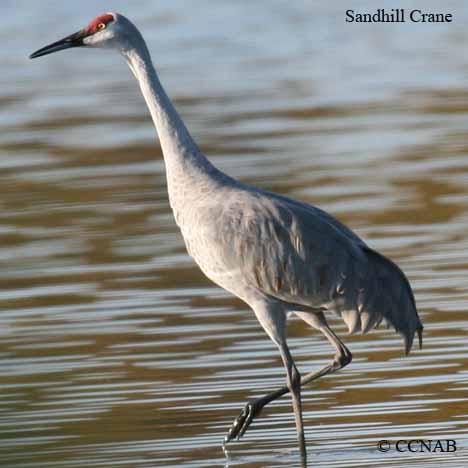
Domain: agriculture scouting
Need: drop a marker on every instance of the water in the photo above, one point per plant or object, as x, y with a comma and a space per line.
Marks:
114, 349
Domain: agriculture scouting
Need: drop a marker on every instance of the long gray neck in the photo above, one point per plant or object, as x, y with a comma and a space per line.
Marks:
185, 164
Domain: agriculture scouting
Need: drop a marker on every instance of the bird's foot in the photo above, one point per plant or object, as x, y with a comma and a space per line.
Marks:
242, 422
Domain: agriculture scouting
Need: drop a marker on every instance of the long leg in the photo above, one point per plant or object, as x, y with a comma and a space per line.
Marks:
272, 317
342, 358
293, 379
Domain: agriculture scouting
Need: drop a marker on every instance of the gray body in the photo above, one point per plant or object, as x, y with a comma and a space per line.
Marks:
265, 247
279, 255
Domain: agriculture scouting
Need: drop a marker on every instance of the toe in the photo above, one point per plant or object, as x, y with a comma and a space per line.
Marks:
236, 426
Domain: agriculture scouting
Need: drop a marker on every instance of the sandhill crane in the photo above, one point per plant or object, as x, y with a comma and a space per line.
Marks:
278, 255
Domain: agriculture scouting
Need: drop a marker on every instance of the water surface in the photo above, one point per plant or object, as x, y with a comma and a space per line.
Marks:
114, 349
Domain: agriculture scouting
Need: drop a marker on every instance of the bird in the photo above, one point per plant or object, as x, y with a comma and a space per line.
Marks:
280, 256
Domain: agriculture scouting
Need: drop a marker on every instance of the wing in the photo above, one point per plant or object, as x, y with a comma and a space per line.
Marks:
288, 250
300, 255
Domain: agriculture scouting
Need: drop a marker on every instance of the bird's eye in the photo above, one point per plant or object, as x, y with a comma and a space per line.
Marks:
101, 26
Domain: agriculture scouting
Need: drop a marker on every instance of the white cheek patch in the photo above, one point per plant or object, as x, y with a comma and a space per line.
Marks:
99, 39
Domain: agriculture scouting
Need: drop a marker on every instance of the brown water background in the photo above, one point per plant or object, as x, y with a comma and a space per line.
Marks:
115, 351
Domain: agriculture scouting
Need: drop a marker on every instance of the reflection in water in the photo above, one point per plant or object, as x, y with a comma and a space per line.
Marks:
114, 349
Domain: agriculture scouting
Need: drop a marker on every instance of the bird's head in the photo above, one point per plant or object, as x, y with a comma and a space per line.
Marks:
109, 30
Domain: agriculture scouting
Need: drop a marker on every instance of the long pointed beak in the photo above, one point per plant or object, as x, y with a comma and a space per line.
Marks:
74, 40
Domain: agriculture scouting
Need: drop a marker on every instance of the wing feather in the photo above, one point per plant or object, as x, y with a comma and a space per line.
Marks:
300, 255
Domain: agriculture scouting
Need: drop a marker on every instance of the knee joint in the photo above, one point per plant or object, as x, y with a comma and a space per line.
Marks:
294, 379
345, 358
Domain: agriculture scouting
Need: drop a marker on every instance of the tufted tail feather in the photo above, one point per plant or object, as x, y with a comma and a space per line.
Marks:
420, 338
400, 307
384, 294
